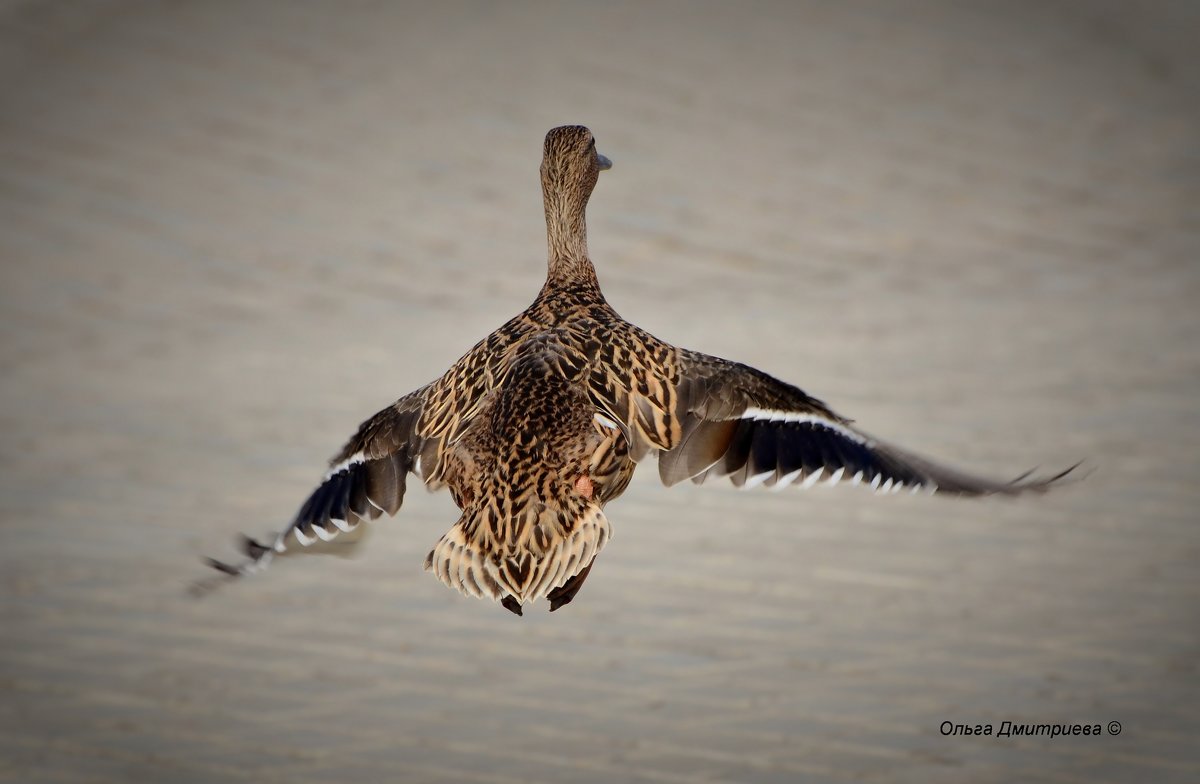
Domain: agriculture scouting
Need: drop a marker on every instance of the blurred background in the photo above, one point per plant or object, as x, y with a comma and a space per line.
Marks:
231, 231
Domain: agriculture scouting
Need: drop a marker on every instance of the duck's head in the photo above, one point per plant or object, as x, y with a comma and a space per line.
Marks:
570, 163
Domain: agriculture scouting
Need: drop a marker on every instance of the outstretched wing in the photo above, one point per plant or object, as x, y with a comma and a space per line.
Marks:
368, 477
757, 430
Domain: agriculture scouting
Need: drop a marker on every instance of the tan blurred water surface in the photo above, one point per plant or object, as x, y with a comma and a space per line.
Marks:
230, 231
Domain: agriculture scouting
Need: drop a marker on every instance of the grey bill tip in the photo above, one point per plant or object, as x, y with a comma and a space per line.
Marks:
603, 161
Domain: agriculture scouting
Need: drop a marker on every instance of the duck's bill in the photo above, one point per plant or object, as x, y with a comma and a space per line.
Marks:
603, 161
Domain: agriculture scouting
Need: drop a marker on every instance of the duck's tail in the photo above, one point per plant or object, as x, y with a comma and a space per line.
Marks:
526, 556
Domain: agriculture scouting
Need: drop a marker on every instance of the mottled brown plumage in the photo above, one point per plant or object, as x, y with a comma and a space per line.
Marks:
541, 424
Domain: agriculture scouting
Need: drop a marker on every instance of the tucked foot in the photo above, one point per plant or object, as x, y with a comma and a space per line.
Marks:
566, 592
584, 486
512, 605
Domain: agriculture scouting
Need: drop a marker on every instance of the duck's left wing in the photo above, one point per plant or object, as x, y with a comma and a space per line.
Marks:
739, 422
366, 479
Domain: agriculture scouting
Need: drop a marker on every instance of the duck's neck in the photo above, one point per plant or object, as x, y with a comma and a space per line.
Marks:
566, 236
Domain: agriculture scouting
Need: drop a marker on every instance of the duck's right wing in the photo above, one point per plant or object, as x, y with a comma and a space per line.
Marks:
739, 422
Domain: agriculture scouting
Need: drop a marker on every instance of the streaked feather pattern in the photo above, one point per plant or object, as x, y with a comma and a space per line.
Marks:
543, 422
557, 539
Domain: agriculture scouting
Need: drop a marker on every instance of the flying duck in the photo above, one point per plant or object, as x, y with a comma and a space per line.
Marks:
541, 424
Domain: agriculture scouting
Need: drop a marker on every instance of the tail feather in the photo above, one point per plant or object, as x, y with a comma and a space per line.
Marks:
553, 543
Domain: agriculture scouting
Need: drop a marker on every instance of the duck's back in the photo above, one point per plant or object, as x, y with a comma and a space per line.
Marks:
521, 473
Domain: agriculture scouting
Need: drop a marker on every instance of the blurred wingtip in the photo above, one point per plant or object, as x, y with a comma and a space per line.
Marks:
257, 553
1040, 484
204, 586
